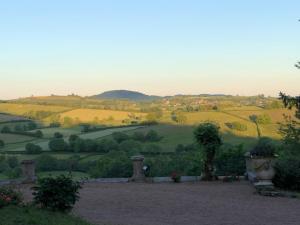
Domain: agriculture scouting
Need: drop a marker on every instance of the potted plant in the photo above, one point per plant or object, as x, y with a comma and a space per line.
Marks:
261, 159
175, 177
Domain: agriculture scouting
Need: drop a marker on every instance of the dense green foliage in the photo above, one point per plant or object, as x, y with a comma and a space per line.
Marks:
27, 215
57, 194
288, 173
113, 164
7, 130
10, 167
264, 148
290, 131
33, 149
291, 102
8, 196
207, 135
2, 144
231, 161
58, 144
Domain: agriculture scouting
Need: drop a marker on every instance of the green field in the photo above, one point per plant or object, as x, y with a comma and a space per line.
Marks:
15, 138
21, 140
176, 134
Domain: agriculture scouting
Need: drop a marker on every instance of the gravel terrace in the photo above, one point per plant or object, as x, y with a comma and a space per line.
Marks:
201, 203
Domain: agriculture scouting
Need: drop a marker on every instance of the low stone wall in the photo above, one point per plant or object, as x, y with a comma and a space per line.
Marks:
147, 180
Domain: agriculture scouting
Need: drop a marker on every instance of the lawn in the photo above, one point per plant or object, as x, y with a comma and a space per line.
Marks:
13, 215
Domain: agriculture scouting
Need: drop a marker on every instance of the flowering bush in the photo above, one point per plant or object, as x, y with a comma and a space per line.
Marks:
9, 197
56, 193
176, 177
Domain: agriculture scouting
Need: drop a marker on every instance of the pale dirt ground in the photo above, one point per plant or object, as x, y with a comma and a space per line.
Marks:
202, 203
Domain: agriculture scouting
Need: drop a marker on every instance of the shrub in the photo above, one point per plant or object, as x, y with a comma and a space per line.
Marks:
38, 134
113, 164
13, 173
152, 148
58, 144
186, 148
237, 126
56, 194
120, 137
2, 144
207, 135
139, 136
263, 148
287, 174
176, 177
58, 135
231, 161
31, 126
152, 136
46, 162
131, 147
31, 148
5, 129
13, 162
8, 196
107, 145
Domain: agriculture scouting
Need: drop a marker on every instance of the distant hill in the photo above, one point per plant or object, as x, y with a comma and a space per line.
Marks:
125, 94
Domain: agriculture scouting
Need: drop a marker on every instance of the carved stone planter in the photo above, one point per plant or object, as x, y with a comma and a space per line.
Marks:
260, 171
263, 168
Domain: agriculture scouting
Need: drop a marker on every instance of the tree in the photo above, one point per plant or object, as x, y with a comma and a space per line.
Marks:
58, 144
120, 137
33, 149
152, 136
5, 129
31, 126
58, 135
290, 102
1, 144
39, 134
208, 137
253, 118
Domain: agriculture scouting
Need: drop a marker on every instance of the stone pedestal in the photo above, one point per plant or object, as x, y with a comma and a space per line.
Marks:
138, 173
28, 171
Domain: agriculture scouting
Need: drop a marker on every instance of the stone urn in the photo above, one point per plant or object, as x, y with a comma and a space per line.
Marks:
263, 168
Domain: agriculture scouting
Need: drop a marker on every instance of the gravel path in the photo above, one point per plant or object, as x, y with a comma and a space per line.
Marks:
200, 203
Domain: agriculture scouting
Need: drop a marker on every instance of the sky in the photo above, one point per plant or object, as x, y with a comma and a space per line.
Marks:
159, 47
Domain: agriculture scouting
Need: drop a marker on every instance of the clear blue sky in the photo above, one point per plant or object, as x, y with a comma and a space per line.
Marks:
159, 47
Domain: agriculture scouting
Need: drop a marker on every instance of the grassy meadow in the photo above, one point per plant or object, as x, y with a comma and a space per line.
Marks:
97, 115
